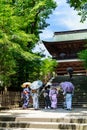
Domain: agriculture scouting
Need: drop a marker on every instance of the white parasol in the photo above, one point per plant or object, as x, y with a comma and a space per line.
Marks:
36, 84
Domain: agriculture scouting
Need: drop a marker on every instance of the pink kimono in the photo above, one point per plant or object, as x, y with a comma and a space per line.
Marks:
53, 94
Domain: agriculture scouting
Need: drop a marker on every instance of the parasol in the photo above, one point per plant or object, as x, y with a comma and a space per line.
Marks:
67, 86
70, 70
26, 84
36, 84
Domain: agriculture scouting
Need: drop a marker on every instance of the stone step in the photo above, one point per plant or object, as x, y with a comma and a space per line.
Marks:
25, 129
30, 119
44, 125
7, 118
71, 119
65, 120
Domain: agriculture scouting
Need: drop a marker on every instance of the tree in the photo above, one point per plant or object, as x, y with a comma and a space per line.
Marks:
20, 24
80, 6
83, 56
47, 68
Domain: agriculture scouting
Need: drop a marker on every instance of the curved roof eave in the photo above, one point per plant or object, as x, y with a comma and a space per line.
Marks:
66, 37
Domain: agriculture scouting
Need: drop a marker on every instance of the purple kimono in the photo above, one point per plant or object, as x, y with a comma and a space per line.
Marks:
53, 97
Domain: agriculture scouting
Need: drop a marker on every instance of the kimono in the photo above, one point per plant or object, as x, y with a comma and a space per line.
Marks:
25, 96
35, 97
53, 97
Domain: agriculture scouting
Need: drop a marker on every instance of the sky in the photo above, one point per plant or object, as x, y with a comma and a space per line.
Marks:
63, 18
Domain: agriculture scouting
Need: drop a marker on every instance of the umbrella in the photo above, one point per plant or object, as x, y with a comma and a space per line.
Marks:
26, 83
63, 86
36, 84
67, 86
70, 70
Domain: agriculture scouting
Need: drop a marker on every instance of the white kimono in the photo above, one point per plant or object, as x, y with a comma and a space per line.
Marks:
35, 95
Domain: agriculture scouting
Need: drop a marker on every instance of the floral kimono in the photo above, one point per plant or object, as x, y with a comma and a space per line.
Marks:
53, 97
25, 97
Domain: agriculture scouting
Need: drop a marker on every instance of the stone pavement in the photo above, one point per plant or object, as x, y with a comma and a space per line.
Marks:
30, 119
44, 113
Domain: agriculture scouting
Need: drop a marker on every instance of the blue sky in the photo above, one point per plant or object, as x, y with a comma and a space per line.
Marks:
63, 18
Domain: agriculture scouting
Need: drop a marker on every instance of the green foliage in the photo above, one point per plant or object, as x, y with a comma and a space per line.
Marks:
83, 56
48, 66
20, 22
80, 6
7, 64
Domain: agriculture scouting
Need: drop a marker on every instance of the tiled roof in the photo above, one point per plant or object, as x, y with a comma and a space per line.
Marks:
71, 37
68, 36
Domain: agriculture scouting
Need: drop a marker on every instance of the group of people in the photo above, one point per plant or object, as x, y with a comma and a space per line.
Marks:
50, 94
27, 93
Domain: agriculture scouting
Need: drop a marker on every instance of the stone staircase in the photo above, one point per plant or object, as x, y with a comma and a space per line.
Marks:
44, 120
80, 92
44, 124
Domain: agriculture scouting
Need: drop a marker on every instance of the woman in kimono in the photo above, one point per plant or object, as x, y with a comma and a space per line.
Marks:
53, 94
35, 97
25, 96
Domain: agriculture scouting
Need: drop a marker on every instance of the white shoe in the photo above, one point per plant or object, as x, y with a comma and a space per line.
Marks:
45, 107
49, 107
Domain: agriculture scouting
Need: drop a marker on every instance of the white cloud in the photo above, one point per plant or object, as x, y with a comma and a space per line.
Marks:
71, 20
41, 48
47, 33
73, 24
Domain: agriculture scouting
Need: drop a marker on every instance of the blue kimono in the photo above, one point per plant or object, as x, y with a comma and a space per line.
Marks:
25, 97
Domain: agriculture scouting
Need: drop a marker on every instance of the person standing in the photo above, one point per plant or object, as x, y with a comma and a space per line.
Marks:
35, 87
46, 97
35, 97
25, 95
68, 91
53, 94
